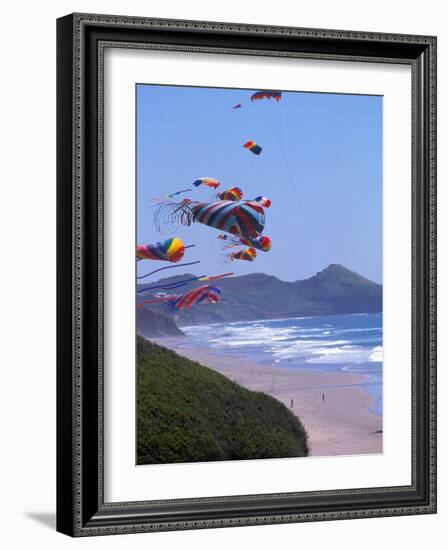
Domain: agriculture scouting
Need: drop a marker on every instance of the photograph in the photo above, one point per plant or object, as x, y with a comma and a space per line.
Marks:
259, 272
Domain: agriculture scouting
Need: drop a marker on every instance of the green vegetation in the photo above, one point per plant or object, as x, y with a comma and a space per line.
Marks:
190, 413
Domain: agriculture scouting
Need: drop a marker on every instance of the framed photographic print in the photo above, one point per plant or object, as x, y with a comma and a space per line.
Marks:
246, 274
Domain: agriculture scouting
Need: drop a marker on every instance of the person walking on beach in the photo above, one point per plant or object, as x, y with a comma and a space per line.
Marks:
292, 403
323, 398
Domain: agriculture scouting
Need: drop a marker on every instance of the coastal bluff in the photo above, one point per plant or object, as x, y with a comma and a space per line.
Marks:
190, 413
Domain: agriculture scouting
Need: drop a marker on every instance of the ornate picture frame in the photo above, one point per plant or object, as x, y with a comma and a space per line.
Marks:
81, 506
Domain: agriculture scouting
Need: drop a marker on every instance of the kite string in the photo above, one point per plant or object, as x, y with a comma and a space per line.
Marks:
168, 267
169, 286
176, 284
164, 299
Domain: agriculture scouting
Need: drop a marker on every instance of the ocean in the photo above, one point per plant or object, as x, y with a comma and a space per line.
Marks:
337, 343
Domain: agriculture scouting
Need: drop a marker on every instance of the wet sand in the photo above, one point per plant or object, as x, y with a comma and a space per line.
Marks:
339, 424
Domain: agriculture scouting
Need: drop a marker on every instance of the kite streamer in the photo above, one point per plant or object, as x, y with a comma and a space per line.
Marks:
168, 267
170, 286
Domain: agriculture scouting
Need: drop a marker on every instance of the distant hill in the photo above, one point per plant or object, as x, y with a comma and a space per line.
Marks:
335, 290
154, 324
190, 413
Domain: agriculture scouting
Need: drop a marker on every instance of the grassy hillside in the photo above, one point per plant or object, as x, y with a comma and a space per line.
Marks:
190, 413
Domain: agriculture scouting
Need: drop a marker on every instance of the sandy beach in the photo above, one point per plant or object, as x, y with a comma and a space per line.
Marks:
339, 424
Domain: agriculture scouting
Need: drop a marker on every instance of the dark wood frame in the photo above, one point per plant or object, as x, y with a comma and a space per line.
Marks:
81, 510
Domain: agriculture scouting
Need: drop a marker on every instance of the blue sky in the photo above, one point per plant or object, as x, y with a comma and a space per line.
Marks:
321, 166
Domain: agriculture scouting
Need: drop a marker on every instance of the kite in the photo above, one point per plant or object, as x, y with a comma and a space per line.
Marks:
231, 194
208, 182
248, 254
260, 243
171, 250
237, 106
178, 193
266, 95
253, 147
244, 218
264, 201
205, 294
176, 284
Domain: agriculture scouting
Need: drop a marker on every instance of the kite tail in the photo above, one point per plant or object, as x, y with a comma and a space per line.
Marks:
171, 213
155, 301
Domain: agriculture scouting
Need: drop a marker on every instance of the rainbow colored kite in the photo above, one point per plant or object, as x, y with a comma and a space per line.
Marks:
171, 250
253, 147
231, 194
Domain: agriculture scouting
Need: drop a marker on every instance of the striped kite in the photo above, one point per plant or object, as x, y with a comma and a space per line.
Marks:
205, 294
171, 250
244, 218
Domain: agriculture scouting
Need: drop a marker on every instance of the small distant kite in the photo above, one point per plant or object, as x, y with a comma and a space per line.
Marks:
237, 106
264, 201
257, 96
253, 147
261, 242
231, 194
171, 250
207, 182
248, 254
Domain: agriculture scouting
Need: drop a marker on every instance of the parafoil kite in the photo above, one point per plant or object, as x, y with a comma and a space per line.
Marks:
231, 194
171, 250
248, 254
253, 147
264, 201
244, 218
257, 96
208, 182
261, 242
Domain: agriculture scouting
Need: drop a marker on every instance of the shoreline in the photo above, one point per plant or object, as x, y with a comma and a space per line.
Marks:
332, 406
